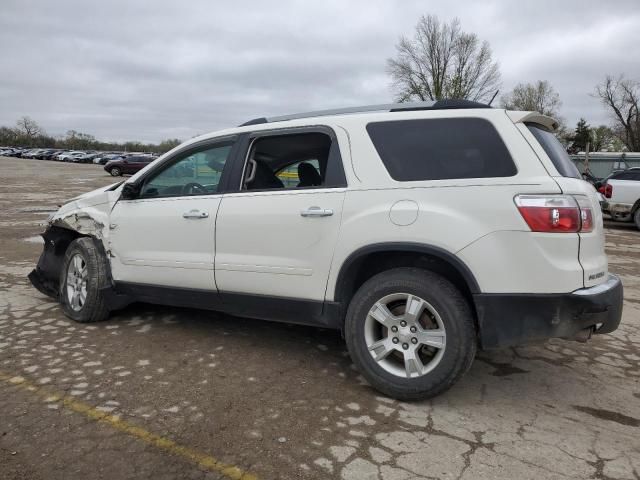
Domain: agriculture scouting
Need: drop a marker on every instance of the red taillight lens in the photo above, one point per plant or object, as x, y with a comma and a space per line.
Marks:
556, 213
601, 189
549, 213
608, 190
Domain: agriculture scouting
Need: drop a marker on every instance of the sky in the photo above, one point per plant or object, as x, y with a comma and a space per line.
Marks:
151, 70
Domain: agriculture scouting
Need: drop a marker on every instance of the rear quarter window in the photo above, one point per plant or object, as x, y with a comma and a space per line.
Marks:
554, 150
439, 149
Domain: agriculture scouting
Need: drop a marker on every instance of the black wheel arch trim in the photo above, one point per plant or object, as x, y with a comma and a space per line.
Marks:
346, 270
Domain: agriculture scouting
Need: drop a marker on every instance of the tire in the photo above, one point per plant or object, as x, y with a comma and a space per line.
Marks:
442, 307
115, 172
636, 218
89, 304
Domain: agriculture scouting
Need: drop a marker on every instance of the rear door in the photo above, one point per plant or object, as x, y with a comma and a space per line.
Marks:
276, 234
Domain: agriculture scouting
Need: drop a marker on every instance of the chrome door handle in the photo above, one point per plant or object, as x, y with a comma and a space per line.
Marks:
316, 212
195, 214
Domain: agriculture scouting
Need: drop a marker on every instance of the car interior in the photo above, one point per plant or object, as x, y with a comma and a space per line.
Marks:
287, 161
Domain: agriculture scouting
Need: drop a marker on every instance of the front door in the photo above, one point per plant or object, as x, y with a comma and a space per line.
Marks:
166, 235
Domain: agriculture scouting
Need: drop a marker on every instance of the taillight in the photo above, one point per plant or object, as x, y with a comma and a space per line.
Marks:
608, 190
556, 213
601, 189
586, 213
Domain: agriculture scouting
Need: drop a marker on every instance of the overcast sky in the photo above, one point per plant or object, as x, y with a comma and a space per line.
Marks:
128, 70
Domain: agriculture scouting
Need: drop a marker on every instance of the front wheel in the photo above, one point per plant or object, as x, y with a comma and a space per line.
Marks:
83, 276
411, 333
115, 172
636, 218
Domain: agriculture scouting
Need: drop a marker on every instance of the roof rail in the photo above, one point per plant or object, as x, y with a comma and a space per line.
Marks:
388, 107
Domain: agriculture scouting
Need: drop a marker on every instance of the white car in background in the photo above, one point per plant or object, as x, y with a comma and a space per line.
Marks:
66, 156
622, 196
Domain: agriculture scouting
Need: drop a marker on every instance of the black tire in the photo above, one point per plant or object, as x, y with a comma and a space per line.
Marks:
456, 317
94, 308
115, 172
636, 218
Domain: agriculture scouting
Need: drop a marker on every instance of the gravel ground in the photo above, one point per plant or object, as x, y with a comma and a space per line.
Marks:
158, 392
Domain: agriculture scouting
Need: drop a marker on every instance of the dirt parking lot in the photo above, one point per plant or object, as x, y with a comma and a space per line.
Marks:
156, 392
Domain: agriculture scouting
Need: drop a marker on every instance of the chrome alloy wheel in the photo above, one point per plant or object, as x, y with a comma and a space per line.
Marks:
405, 335
77, 273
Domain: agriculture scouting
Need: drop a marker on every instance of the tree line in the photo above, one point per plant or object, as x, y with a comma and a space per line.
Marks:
441, 61
27, 133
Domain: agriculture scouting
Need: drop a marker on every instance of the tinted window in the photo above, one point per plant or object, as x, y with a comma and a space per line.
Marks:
437, 149
554, 150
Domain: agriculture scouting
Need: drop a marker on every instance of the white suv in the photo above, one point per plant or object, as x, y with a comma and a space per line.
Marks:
622, 196
421, 231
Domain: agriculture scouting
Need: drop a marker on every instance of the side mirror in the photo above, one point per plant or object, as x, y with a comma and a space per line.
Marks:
130, 191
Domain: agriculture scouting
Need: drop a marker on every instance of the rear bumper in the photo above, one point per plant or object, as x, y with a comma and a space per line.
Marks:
512, 319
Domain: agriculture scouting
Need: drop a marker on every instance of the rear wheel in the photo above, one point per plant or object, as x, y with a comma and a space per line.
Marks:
115, 172
83, 276
411, 333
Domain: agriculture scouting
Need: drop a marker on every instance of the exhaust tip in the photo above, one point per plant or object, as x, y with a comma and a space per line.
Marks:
583, 335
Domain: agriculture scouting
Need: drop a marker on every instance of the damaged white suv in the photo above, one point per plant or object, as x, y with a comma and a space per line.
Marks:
421, 231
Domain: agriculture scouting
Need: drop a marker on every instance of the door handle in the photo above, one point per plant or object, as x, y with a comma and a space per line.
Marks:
195, 214
316, 212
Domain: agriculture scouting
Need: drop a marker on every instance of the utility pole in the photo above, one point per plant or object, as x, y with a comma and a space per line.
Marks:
586, 158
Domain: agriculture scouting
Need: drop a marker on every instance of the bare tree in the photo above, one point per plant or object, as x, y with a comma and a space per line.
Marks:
28, 127
538, 97
442, 61
621, 97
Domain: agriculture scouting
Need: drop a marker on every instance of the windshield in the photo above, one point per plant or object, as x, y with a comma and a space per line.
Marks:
554, 150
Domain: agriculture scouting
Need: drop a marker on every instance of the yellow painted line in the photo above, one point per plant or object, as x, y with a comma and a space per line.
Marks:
162, 443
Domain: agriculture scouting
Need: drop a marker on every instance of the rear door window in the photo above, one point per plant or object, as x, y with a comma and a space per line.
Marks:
438, 149
554, 150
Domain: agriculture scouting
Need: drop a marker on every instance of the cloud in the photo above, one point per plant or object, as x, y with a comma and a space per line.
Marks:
150, 70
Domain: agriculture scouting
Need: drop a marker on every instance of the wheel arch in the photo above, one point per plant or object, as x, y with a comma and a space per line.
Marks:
45, 277
368, 261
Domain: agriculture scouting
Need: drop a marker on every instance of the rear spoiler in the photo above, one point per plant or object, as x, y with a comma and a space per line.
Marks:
533, 117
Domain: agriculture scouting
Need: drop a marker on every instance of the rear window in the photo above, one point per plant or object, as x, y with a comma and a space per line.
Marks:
554, 150
439, 149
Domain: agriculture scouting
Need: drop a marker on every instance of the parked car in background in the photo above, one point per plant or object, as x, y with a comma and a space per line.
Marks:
45, 154
87, 157
18, 152
622, 196
104, 158
66, 155
51, 154
31, 153
130, 164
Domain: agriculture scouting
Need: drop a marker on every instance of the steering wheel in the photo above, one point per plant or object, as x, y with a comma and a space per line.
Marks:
193, 188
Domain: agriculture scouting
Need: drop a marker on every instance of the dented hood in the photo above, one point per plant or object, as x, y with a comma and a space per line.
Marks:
88, 213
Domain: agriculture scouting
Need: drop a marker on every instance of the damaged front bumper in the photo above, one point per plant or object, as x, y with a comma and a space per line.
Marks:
46, 276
